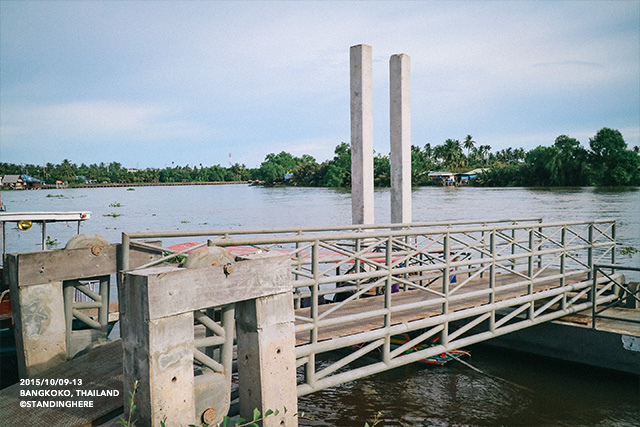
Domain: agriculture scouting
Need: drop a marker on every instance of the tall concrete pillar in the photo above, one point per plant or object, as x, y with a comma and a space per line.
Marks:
400, 162
361, 135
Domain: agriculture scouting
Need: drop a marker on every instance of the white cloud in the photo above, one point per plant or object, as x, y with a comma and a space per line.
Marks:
244, 75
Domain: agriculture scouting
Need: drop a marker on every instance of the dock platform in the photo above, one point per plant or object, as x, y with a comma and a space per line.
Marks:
98, 372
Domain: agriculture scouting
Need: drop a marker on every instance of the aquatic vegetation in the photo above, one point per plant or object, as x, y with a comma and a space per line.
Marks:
113, 214
115, 205
629, 251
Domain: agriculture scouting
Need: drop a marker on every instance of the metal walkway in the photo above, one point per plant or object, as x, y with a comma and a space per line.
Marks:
465, 282
355, 287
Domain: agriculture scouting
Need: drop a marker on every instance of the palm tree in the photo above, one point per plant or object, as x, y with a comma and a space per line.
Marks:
428, 151
451, 153
469, 144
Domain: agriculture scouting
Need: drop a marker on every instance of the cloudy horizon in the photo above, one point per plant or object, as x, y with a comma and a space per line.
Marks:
151, 84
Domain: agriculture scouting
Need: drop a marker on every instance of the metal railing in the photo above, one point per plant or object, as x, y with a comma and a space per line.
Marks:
81, 296
42, 218
357, 286
624, 293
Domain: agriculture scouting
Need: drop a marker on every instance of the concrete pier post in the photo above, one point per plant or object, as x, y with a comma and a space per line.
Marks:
400, 130
362, 207
159, 305
37, 281
40, 329
267, 358
158, 359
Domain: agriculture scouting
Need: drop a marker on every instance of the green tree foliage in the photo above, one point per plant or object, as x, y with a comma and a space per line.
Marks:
562, 164
381, 171
469, 144
612, 162
565, 163
451, 155
421, 164
338, 173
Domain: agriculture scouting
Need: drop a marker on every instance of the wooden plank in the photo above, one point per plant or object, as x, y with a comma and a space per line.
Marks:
41, 267
100, 370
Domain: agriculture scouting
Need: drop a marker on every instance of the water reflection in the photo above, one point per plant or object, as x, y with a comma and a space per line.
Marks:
554, 393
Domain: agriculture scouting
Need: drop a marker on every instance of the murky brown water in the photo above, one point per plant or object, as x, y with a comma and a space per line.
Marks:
559, 394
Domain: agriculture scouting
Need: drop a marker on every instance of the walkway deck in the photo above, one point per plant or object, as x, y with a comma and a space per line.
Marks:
373, 303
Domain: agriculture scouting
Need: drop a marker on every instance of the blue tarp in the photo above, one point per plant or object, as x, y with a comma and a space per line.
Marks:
27, 178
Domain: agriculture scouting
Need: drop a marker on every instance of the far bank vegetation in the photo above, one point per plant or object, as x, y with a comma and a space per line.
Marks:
607, 161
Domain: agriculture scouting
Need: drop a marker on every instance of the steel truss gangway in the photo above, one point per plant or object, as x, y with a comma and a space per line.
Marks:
355, 287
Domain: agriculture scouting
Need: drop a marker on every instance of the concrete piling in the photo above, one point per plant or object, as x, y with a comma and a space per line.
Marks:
362, 207
400, 135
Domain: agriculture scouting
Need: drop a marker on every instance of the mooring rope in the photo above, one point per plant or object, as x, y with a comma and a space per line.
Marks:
3, 294
467, 364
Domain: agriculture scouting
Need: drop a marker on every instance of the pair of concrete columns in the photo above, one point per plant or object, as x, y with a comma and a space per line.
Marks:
362, 202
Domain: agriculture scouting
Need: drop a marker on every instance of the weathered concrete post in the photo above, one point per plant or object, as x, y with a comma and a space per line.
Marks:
159, 345
400, 162
43, 316
362, 204
267, 357
38, 313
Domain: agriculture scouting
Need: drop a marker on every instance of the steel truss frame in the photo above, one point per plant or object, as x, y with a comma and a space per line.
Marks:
622, 291
92, 293
471, 281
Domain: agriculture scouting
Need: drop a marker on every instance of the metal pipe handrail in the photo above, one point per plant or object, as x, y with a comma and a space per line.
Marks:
299, 238
42, 218
595, 313
335, 237
313, 229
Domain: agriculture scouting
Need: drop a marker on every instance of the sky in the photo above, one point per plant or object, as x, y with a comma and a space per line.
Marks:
164, 83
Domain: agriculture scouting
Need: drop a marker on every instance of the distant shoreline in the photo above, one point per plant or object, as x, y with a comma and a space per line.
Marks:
139, 184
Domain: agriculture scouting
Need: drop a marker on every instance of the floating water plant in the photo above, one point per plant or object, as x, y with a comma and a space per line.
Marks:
629, 251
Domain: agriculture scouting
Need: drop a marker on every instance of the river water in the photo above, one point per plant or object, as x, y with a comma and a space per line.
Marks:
537, 391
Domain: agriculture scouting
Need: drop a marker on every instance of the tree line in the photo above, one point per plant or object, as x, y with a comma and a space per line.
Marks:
606, 162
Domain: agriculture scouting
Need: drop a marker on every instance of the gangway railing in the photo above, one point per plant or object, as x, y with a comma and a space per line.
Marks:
453, 283
625, 293
24, 220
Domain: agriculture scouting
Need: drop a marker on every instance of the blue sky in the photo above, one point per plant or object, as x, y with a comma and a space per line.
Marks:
156, 83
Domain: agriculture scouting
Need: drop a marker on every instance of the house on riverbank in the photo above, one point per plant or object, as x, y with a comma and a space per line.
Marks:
20, 182
455, 178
